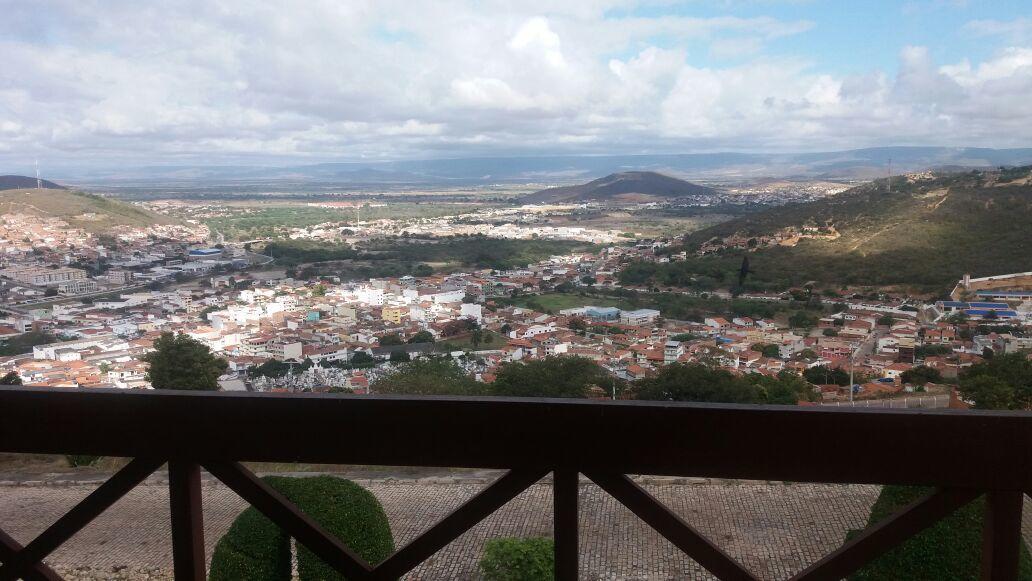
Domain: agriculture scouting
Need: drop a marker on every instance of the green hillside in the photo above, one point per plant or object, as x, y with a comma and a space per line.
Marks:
922, 234
90, 212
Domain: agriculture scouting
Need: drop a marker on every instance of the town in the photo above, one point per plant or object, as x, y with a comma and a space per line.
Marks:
111, 299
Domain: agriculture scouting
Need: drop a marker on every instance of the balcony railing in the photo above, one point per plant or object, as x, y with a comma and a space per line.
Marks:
961, 454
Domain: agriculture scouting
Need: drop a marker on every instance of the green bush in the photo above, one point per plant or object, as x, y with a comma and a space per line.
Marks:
350, 513
256, 549
949, 549
518, 560
75, 460
253, 548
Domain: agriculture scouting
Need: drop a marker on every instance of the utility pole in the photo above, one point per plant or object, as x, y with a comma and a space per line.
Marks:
890, 175
39, 182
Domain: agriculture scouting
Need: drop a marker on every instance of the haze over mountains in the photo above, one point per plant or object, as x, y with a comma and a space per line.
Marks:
569, 169
632, 186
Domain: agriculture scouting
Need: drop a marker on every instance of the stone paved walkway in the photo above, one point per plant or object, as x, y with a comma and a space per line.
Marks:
774, 529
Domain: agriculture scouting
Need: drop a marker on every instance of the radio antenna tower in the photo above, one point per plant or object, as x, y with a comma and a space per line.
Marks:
39, 182
890, 175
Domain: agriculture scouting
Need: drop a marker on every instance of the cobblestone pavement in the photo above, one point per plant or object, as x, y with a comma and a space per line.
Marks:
774, 529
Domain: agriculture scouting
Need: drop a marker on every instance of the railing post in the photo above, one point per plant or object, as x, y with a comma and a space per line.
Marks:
184, 482
564, 494
1001, 535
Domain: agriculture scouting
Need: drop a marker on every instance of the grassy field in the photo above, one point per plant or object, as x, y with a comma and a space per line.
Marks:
90, 212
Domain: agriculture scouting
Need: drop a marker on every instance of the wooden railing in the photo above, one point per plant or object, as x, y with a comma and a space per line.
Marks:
961, 454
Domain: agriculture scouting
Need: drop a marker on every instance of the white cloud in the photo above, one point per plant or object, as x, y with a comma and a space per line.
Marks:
363, 79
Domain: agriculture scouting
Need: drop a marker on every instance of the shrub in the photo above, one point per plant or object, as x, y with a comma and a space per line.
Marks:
256, 549
518, 560
76, 460
347, 511
253, 548
949, 549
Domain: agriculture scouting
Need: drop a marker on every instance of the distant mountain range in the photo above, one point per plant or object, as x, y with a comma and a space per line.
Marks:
567, 169
630, 186
11, 182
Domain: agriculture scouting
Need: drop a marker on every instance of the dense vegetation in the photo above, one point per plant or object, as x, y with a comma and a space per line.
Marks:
182, 362
702, 383
255, 548
574, 377
24, 343
673, 305
476, 251
1003, 382
550, 377
530, 559
925, 234
432, 376
949, 549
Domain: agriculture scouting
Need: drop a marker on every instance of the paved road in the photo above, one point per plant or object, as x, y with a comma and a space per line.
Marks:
775, 529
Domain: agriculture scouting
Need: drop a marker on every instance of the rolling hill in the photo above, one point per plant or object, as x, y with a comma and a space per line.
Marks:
90, 212
923, 234
10, 182
630, 187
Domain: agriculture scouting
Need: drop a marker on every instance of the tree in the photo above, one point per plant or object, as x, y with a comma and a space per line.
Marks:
807, 354
1003, 382
921, 375
743, 270
549, 377
505, 329
786, 388
182, 362
362, 359
886, 320
577, 324
50, 292
400, 356
390, 339
697, 382
319, 290
422, 270
802, 320
422, 337
588, 280
767, 349
436, 376
824, 375
12, 378
476, 337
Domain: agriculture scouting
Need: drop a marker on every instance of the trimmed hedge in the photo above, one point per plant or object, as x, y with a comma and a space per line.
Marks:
253, 548
518, 560
347, 511
949, 549
256, 549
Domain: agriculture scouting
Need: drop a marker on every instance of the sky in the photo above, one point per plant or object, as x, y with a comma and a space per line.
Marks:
107, 82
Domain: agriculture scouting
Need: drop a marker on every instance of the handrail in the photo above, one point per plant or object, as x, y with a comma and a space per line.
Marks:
963, 454
974, 449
